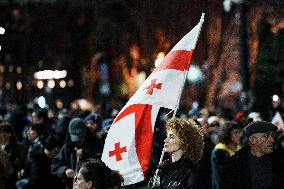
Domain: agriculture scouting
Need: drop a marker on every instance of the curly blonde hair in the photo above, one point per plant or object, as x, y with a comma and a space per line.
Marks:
190, 137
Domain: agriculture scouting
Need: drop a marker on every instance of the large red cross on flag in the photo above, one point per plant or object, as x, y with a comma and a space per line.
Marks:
128, 145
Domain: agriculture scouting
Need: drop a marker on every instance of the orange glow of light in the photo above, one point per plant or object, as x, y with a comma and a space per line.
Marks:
159, 59
134, 52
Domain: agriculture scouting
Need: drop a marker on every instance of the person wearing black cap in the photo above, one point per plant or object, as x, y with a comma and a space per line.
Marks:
251, 167
80, 145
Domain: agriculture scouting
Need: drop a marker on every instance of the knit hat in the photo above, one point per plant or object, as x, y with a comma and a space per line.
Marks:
94, 117
77, 129
259, 127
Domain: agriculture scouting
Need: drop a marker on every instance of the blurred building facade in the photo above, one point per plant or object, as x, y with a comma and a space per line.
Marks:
108, 47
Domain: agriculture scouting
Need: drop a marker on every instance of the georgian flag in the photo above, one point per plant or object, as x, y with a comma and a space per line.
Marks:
278, 121
128, 145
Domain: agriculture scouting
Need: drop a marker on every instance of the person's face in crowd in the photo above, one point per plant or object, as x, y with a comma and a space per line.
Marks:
236, 135
244, 120
209, 129
172, 142
81, 183
205, 126
262, 142
32, 134
5, 138
92, 125
36, 118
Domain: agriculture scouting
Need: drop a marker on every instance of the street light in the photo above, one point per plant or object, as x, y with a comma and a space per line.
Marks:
41, 102
2, 31
228, 4
195, 74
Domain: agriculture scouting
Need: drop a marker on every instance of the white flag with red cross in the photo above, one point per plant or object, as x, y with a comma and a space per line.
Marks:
128, 145
278, 121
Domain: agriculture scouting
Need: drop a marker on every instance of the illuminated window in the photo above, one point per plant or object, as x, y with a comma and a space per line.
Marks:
70, 83
51, 84
39, 84
50, 74
62, 84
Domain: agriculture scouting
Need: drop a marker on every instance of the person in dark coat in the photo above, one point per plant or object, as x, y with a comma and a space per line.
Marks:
36, 148
278, 161
251, 166
5, 167
40, 116
203, 178
229, 139
81, 144
184, 144
61, 127
94, 122
15, 151
37, 170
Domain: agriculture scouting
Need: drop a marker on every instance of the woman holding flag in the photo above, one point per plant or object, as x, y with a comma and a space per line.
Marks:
184, 144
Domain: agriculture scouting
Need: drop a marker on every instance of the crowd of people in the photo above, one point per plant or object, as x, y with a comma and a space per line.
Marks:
41, 149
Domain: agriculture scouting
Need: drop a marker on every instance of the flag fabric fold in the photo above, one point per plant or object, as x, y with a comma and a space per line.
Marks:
278, 121
128, 145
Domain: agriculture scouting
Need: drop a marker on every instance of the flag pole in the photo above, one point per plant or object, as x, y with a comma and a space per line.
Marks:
160, 162
177, 105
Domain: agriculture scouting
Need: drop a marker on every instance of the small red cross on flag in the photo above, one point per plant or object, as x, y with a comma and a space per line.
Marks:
150, 88
117, 151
